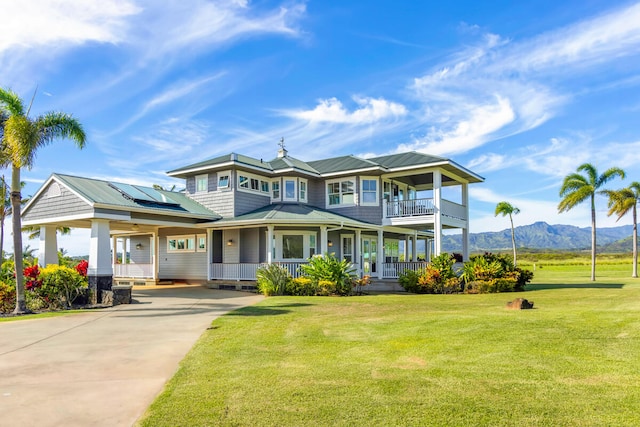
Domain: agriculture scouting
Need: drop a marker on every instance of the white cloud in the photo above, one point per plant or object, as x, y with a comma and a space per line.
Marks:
52, 22
369, 110
488, 162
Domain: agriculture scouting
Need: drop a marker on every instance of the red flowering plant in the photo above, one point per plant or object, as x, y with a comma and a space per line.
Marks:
32, 274
82, 267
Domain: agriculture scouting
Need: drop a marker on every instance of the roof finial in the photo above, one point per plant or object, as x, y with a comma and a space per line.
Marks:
282, 152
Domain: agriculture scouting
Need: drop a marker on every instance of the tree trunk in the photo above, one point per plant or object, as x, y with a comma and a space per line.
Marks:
513, 240
635, 243
16, 198
593, 238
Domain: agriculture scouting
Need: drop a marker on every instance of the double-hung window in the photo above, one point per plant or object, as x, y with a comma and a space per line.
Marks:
302, 187
369, 191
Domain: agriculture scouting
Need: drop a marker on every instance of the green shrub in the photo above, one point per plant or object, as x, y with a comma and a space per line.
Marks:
301, 286
272, 280
7, 297
326, 288
60, 286
490, 273
408, 279
329, 268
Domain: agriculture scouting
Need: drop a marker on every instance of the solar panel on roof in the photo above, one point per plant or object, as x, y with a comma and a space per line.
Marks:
137, 195
156, 195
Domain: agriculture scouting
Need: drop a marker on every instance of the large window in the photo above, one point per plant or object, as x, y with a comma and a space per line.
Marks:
252, 183
369, 191
341, 193
290, 189
202, 183
294, 245
181, 243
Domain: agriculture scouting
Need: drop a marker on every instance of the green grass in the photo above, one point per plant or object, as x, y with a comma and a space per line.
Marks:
415, 360
40, 315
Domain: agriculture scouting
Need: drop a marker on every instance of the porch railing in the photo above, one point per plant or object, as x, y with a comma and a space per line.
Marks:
453, 210
392, 270
247, 271
402, 208
137, 271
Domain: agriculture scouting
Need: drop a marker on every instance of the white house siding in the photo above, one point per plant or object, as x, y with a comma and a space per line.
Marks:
371, 214
181, 265
249, 245
47, 207
142, 255
220, 202
231, 252
316, 193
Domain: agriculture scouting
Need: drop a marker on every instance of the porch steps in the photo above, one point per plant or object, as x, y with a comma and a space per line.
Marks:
232, 285
384, 285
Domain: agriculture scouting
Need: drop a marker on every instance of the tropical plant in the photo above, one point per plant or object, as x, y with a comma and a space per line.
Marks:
621, 202
437, 277
59, 286
22, 136
328, 268
577, 188
504, 209
272, 280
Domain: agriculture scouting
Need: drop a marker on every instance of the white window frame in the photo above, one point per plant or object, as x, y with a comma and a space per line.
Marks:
377, 193
283, 190
277, 236
303, 194
201, 242
279, 184
200, 178
220, 176
253, 183
351, 179
352, 254
186, 238
54, 190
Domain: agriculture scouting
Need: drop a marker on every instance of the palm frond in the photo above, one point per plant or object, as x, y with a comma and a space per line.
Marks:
11, 102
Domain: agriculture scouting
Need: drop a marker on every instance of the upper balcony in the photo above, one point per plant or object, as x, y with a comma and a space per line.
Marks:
419, 212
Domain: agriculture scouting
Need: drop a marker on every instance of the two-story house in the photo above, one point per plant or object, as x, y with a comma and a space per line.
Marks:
239, 213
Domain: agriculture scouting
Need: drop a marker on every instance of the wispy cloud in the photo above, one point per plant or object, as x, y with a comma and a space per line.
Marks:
331, 110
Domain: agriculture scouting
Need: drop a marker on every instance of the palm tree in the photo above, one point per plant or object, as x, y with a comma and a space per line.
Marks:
34, 231
504, 209
5, 209
622, 202
21, 138
577, 188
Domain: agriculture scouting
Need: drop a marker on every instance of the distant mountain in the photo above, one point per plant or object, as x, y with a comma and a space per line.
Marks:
541, 235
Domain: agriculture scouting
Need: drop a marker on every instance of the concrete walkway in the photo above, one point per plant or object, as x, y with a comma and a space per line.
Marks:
103, 367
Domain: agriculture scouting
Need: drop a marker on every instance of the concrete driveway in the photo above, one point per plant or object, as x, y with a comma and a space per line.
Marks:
103, 367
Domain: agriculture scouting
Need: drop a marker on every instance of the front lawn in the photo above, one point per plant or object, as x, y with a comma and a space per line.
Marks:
402, 360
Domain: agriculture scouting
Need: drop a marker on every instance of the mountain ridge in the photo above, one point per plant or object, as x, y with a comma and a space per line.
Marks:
541, 235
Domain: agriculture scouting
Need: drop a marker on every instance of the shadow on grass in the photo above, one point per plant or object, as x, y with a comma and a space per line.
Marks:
263, 311
546, 286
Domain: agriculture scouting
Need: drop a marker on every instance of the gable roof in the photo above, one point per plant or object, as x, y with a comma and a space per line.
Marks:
104, 194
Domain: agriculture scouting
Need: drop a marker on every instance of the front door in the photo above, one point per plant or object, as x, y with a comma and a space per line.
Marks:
369, 255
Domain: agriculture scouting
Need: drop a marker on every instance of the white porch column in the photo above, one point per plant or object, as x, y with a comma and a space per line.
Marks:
437, 204
465, 230
381, 258
414, 247
324, 242
357, 251
270, 244
48, 252
100, 272
406, 248
155, 255
114, 248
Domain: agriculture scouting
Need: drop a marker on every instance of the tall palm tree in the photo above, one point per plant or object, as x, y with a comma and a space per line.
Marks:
22, 136
577, 188
5, 209
622, 202
504, 209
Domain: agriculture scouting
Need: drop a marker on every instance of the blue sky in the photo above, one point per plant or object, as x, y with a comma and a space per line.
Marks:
519, 92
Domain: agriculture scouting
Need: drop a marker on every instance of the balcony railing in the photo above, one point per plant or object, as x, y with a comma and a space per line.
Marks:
247, 271
136, 271
422, 207
403, 208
